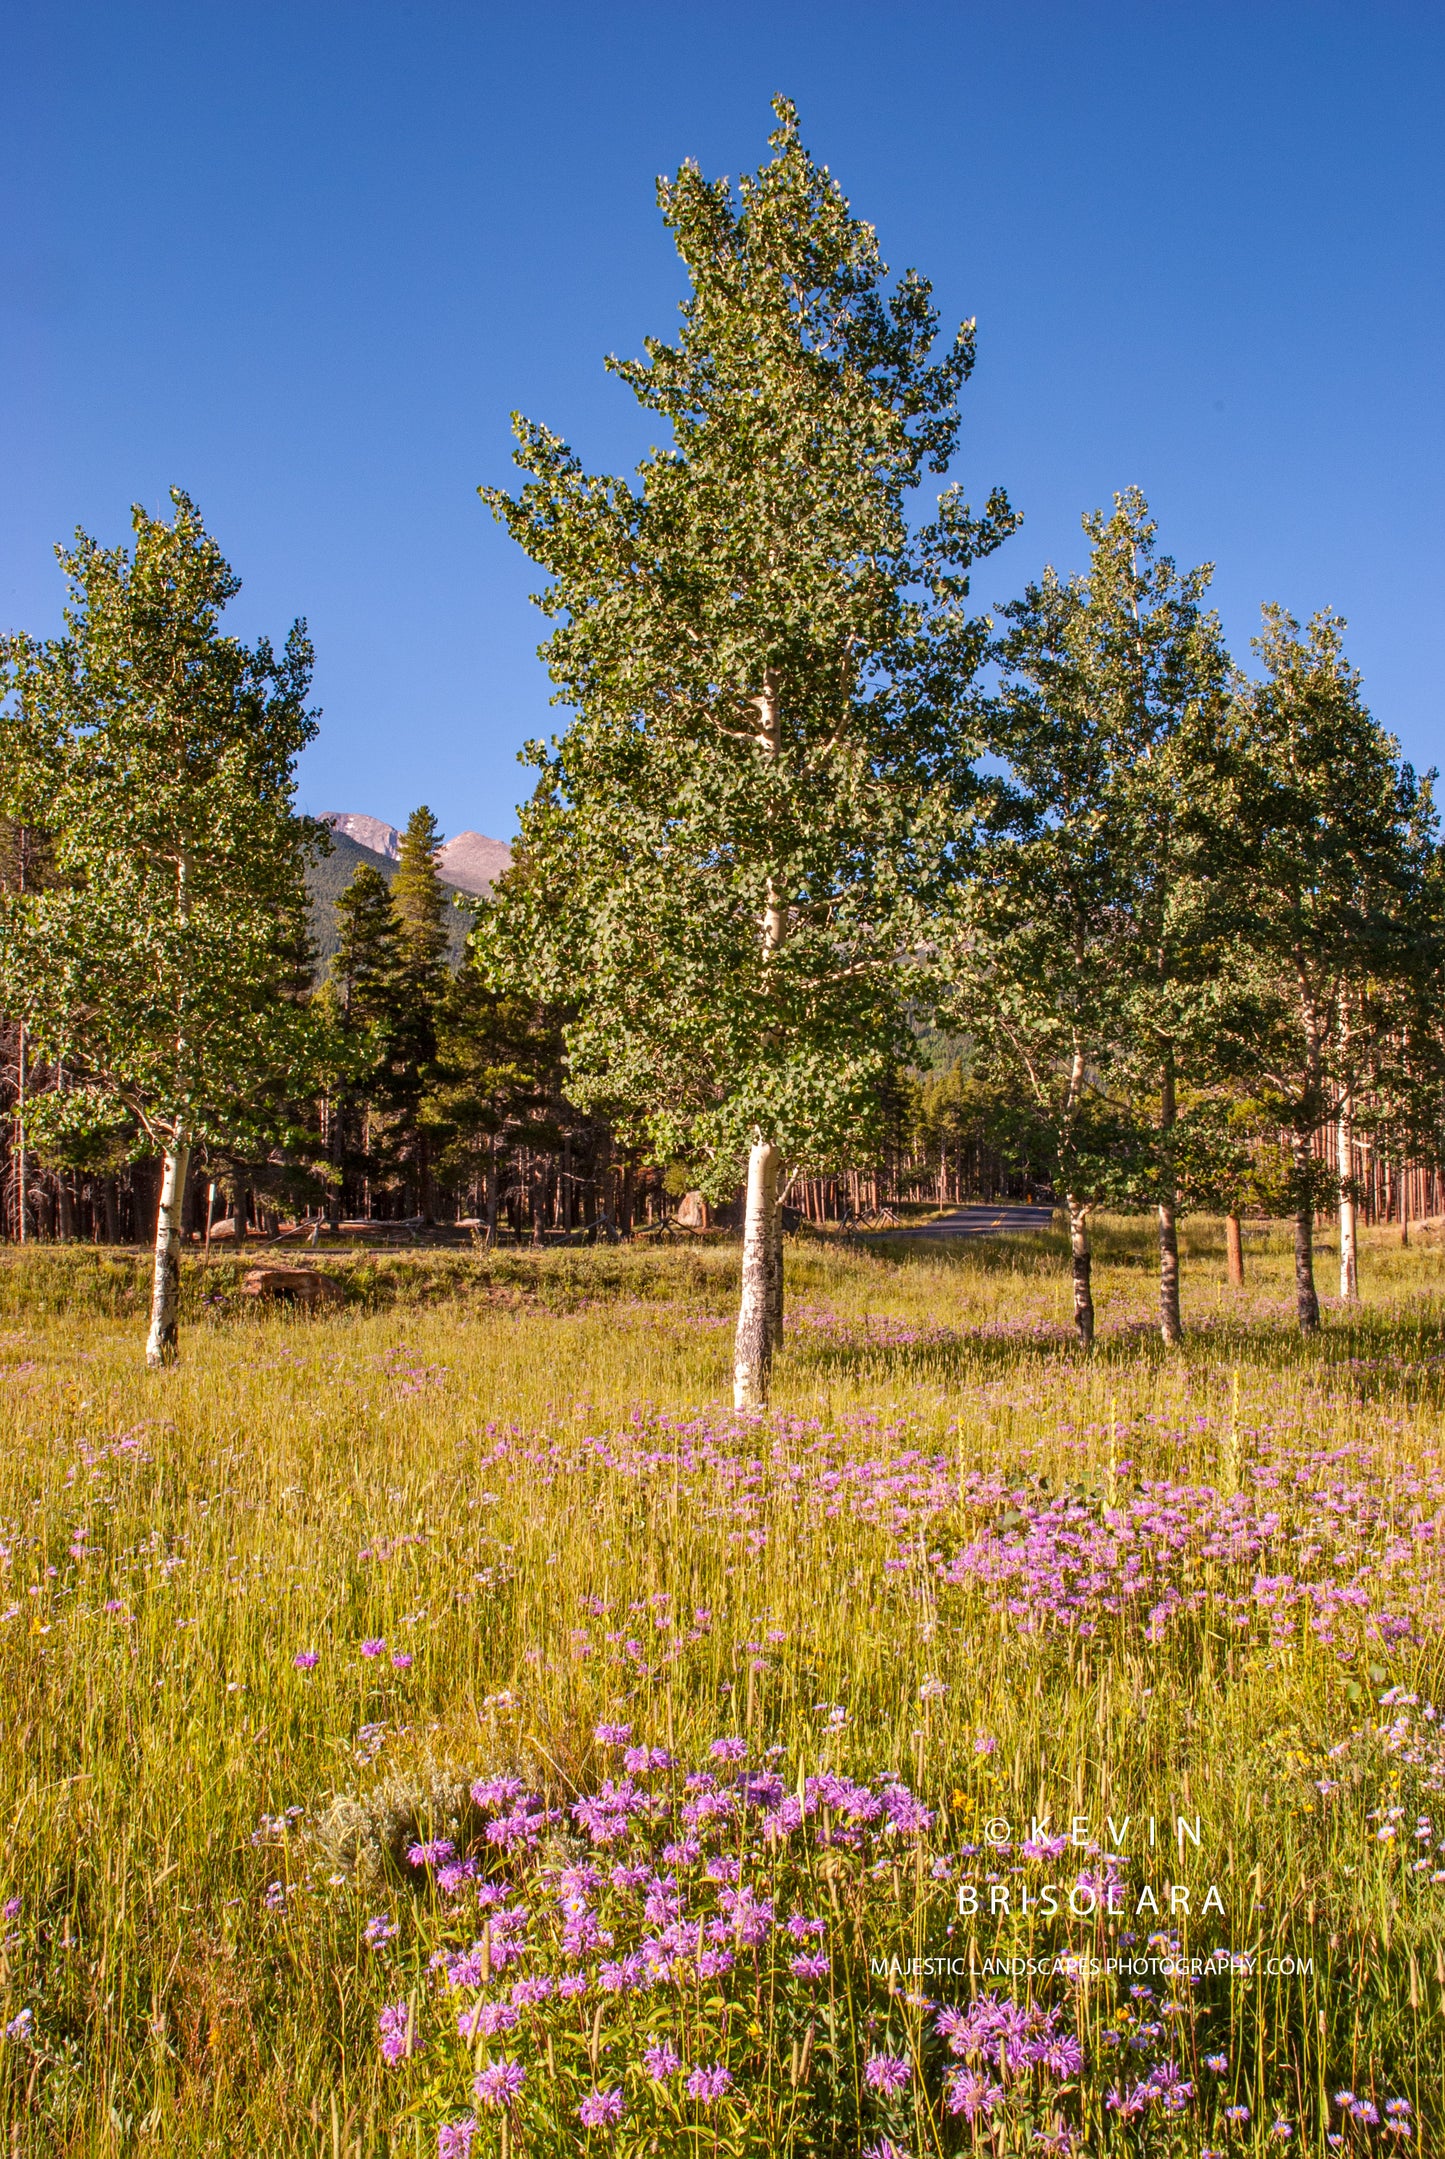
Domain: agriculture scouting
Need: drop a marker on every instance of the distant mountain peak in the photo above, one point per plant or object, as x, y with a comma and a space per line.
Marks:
382, 839
470, 861
474, 862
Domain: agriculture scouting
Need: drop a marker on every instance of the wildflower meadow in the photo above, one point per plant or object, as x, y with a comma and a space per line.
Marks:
441, 1727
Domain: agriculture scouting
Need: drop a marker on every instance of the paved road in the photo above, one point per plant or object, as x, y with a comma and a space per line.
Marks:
975, 1222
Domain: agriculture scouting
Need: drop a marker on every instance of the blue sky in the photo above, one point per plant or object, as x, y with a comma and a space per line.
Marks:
303, 260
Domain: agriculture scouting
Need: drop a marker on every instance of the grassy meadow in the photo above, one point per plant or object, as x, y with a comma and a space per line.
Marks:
327, 1653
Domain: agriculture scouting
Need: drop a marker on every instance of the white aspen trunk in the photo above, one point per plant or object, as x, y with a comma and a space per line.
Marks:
1083, 1266
1307, 1303
1349, 1261
490, 1178
753, 1347
1171, 1326
22, 1196
162, 1341
760, 1307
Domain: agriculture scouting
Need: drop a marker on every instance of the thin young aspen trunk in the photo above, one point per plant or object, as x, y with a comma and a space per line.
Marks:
753, 1348
1234, 1250
492, 1177
1349, 1258
1171, 1327
1083, 1266
1080, 1256
161, 1342
760, 1308
1307, 1303
22, 1196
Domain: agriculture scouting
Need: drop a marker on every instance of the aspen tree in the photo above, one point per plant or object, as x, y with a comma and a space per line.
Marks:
1335, 929
159, 754
739, 841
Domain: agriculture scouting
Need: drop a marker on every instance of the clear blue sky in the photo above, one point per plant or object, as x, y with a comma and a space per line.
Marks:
303, 259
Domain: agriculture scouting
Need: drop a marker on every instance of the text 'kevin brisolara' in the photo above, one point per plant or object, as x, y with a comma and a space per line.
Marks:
1087, 1897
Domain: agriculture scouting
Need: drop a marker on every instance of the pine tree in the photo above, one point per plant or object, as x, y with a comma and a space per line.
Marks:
361, 991
419, 900
366, 963
496, 1082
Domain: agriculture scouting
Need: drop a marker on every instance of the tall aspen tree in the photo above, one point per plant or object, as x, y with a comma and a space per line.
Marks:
740, 840
1335, 952
158, 756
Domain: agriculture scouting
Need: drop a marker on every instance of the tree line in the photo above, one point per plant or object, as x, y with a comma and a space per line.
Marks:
1177, 919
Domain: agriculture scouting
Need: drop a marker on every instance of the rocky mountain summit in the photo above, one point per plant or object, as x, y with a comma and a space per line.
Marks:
470, 861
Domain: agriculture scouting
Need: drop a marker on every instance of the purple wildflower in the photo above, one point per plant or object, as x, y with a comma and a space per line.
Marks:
394, 2024
497, 1791
887, 2073
454, 2139
970, 2095
612, 1735
493, 2017
709, 2084
431, 1854
306, 1660
661, 2061
637, 1761
600, 2108
374, 1648
499, 2083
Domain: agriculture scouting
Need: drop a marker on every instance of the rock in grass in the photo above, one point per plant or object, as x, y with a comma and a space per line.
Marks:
292, 1285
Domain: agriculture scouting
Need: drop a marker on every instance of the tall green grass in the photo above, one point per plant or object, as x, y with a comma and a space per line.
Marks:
383, 1472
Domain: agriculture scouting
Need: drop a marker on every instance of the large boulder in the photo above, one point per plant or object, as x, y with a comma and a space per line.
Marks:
301, 1286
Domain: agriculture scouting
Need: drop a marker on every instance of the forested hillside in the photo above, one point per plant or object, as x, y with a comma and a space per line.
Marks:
328, 878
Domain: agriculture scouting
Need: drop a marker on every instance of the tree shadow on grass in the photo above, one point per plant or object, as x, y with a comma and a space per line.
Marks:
1379, 1358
